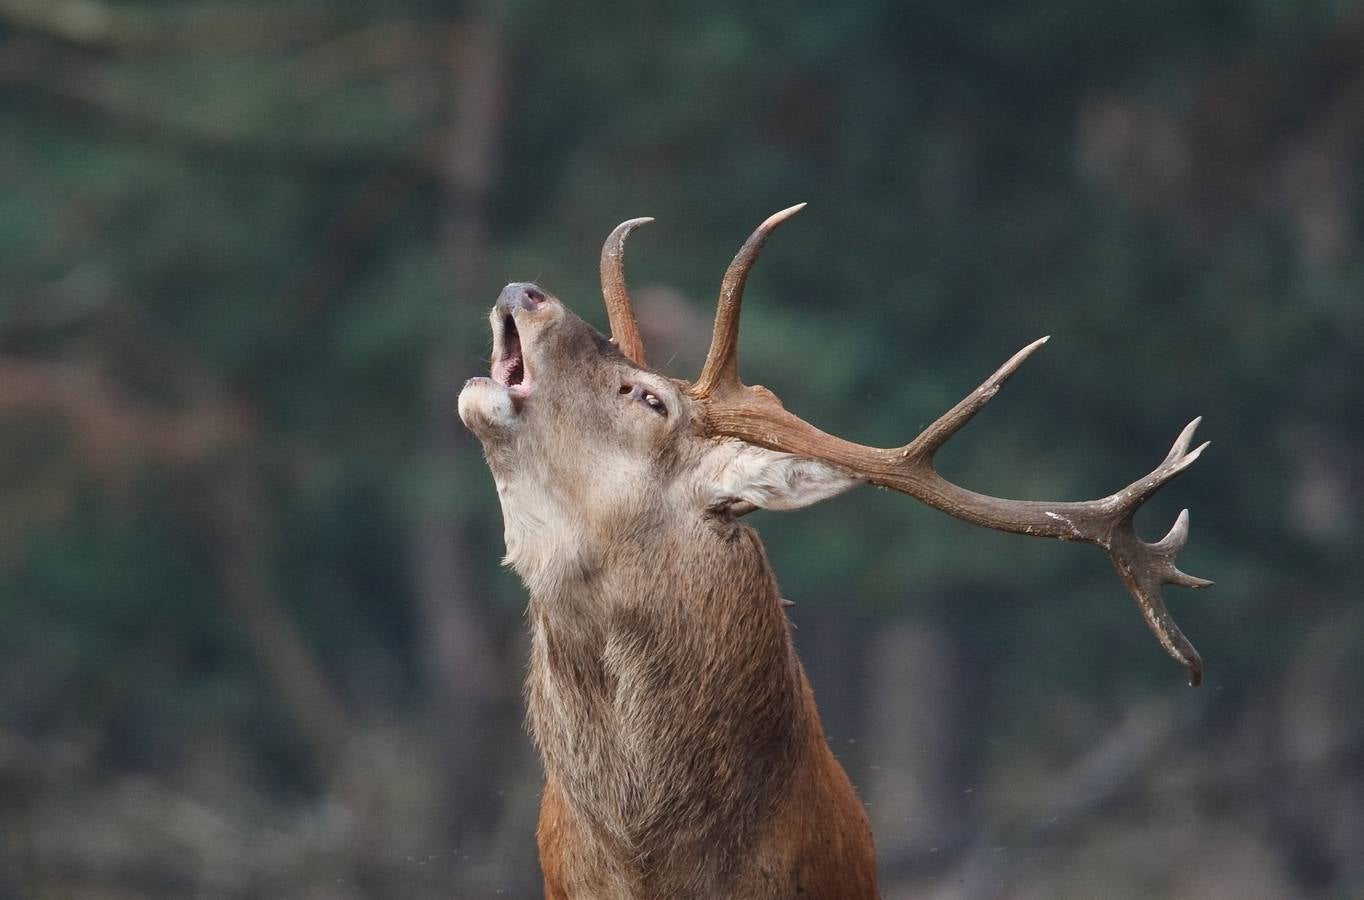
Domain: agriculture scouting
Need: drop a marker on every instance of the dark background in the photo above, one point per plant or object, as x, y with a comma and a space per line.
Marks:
254, 639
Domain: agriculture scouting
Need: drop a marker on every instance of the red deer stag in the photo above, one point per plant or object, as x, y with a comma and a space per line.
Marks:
683, 754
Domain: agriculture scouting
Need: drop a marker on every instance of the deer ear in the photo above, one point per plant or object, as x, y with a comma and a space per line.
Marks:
767, 479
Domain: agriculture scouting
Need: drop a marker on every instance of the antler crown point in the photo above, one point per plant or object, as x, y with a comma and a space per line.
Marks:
778, 217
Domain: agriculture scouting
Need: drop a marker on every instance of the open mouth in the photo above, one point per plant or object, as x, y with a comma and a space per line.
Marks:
509, 365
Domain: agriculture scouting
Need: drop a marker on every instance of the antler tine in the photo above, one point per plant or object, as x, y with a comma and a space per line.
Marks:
721, 371
756, 416
948, 424
1145, 569
624, 328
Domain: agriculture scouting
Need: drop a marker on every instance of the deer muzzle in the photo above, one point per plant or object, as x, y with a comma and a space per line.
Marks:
491, 404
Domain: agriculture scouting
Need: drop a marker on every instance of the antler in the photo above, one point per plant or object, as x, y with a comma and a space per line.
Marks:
624, 330
754, 414
720, 374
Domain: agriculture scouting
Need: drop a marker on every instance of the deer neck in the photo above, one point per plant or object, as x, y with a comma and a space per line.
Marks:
665, 696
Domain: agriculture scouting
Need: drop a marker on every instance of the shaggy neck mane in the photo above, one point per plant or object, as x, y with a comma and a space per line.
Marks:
670, 713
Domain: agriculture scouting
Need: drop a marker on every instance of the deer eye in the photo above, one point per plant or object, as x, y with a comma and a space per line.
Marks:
647, 397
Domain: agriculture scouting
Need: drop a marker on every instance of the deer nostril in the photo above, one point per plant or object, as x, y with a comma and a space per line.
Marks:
521, 296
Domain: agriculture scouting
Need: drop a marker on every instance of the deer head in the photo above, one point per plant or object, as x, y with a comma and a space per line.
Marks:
595, 454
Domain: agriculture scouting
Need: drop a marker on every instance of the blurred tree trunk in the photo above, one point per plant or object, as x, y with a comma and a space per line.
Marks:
922, 719
235, 525
832, 645
454, 626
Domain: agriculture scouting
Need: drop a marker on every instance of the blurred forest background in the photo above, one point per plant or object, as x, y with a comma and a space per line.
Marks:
254, 639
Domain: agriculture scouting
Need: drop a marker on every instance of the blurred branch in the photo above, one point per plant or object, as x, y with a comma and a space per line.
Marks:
237, 532
102, 26
372, 50
1117, 763
113, 432
29, 766
308, 287
77, 84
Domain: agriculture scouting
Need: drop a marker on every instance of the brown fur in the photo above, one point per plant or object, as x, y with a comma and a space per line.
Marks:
683, 753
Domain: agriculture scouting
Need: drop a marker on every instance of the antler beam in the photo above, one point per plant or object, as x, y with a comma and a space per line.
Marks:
755, 415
